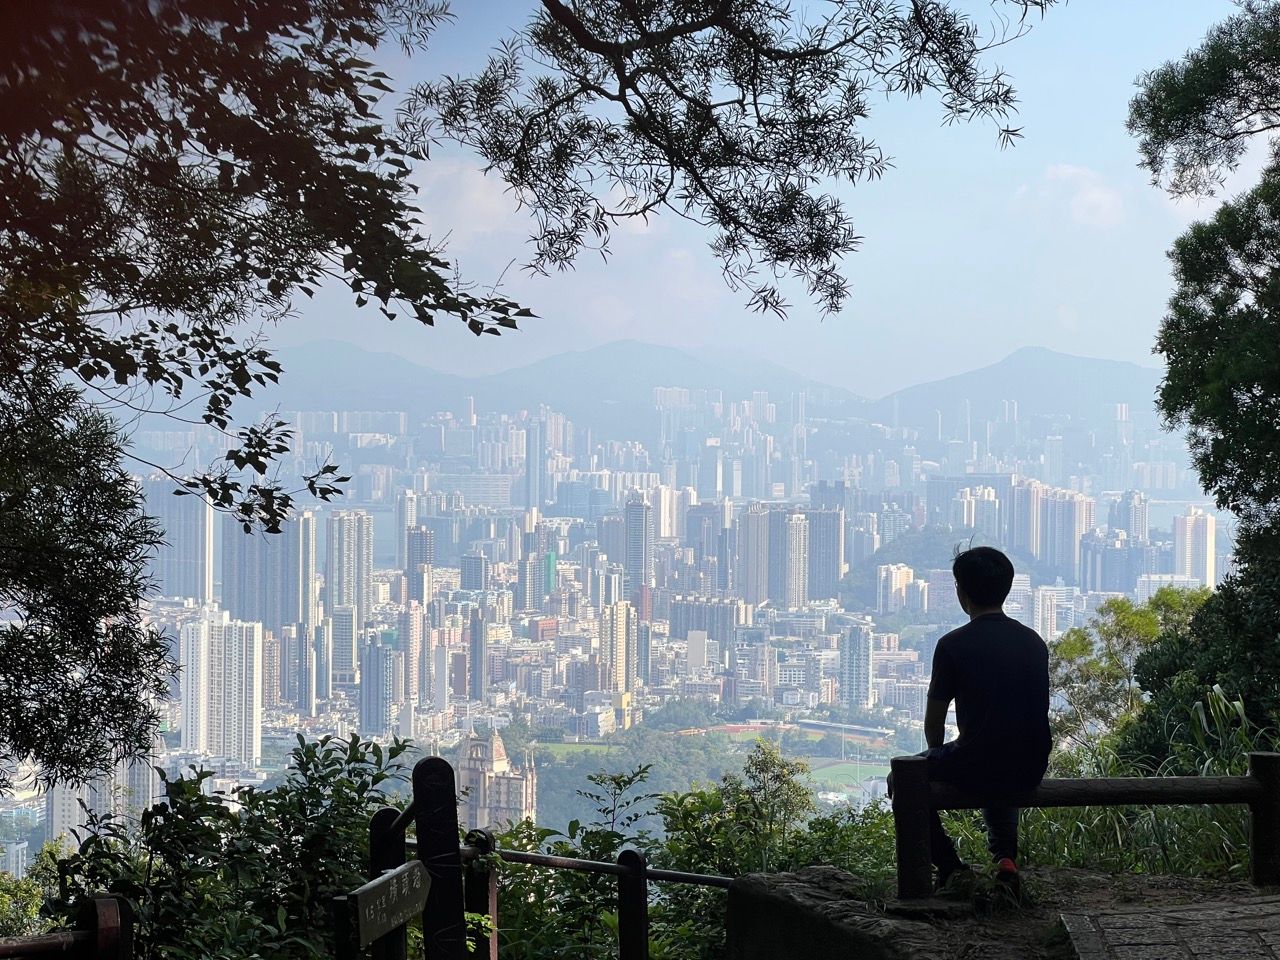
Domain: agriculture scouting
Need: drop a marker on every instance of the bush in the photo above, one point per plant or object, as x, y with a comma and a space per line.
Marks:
245, 875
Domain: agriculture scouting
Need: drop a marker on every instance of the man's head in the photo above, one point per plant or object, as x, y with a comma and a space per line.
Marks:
984, 577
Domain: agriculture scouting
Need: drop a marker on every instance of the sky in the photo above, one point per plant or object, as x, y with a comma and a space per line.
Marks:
970, 251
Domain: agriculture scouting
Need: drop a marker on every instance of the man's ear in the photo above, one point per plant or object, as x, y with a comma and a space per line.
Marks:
963, 598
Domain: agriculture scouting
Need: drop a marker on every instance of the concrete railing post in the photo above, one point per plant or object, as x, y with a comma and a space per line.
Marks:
1264, 833
911, 826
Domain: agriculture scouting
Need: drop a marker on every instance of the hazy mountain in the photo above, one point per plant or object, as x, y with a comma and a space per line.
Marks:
1042, 381
609, 388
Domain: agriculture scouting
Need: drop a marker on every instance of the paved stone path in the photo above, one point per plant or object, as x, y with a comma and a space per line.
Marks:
1222, 931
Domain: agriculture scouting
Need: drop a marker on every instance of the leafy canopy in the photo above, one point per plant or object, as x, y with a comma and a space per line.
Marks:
174, 173
735, 114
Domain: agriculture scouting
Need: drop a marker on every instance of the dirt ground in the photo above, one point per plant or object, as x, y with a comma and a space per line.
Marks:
993, 927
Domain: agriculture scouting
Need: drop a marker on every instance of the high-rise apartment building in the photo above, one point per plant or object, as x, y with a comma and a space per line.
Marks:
638, 559
420, 557
619, 654
1065, 517
222, 687
796, 585
474, 573
1129, 513
380, 691
1195, 545
826, 551
348, 572
183, 563
477, 655
856, 666
891, 587
535, 464
753, 554
344, 645
271, 578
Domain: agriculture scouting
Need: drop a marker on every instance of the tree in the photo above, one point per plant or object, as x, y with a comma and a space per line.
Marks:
729, 114
1194, 119
80, 671
174, 173
1094, 670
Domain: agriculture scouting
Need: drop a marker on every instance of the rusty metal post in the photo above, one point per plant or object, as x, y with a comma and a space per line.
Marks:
633, 907
911, 826
435, 798
1264, 832
480, 892
386, 852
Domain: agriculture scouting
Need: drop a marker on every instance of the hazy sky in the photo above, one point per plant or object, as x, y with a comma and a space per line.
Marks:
970, 251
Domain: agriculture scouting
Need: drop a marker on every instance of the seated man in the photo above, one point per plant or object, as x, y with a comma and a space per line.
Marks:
997, 672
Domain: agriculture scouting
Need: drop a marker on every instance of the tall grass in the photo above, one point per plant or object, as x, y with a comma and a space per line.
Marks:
1200, 841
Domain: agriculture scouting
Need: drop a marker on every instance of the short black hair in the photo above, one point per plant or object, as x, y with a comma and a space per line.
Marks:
984, 574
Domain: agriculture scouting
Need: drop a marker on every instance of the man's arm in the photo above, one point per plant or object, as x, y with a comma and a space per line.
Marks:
935, 721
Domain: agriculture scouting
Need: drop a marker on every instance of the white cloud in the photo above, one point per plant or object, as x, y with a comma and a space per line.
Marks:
1090, 200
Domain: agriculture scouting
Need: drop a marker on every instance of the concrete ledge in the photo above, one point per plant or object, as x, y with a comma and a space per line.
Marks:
814, 914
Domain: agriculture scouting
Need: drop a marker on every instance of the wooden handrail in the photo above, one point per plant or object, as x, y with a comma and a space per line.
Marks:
915, 797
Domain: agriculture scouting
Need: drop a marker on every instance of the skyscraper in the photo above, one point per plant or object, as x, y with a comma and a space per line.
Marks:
379, 696
796, 589
406, 517
420, 556
271, 578
183, 564
1195, 546
1129, 514
344, 646
826, 552
222, 687
619, 653
856, 667
535, 464
477, 655
349, 564
474, 573
638, 560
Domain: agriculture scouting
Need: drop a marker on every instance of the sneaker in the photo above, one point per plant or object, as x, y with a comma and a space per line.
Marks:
1007, 876
959, 882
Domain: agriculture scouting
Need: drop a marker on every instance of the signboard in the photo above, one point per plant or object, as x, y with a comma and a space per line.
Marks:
390, 901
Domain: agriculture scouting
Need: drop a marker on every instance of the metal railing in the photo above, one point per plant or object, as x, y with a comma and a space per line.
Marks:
104, 931
915, 797
462, 880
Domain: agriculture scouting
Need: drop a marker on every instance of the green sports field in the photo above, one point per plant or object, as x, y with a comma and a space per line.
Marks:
840, 773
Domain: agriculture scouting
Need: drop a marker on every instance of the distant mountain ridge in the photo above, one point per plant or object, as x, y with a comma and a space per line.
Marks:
610, 387
1043, 382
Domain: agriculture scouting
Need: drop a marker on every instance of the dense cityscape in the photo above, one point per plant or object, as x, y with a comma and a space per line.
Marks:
486, 567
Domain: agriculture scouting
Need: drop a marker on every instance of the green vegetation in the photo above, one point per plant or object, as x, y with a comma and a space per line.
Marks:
250, 875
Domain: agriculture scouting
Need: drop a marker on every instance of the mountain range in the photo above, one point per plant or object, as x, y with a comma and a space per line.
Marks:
610, 387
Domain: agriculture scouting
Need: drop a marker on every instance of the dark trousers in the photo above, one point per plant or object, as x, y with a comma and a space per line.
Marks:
1002, 838
1002, 827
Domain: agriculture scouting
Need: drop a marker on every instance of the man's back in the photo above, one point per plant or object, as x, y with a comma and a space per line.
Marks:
997, 671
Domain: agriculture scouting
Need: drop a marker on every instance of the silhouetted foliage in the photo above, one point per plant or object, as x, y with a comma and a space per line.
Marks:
80, 674
174, 173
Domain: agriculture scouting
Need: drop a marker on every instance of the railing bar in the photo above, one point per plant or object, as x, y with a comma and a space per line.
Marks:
60, 942
469, 853
699, 879
401, 823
